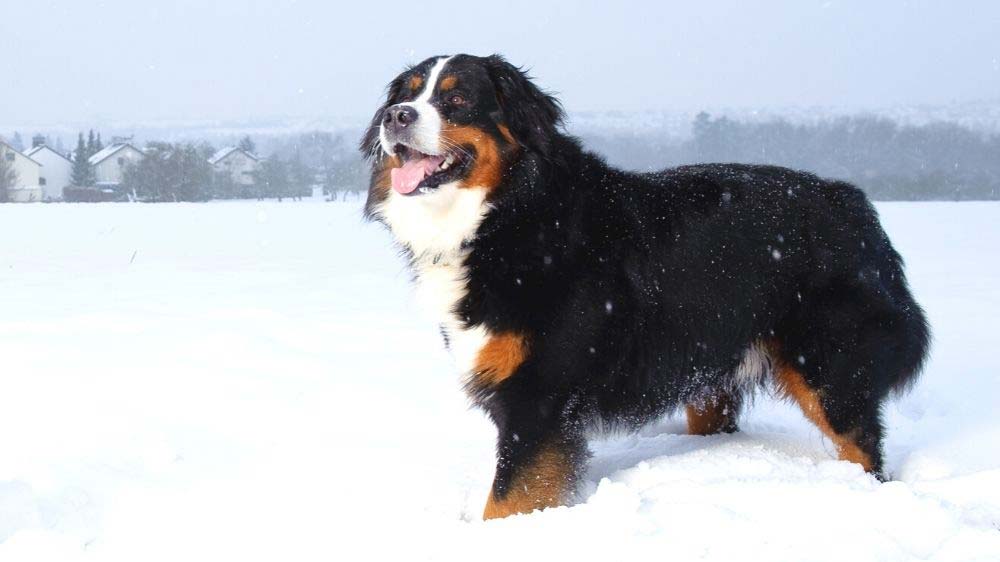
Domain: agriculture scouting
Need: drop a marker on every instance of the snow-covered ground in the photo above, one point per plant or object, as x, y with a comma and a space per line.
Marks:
234, 381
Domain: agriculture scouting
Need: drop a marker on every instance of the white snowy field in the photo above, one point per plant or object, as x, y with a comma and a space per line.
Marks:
241, 381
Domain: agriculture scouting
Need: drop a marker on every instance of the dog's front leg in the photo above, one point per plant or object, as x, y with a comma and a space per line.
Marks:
539, 460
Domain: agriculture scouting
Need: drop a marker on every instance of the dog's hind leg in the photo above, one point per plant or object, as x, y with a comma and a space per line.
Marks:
840, 356
714, 414
851, 422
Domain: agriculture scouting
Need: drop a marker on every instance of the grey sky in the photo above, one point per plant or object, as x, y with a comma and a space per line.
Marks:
124, 60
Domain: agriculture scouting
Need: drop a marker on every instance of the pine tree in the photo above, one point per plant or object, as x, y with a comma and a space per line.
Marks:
301, 178
271, 179
98, 146
91, 144
169, 172
83, 172
247, 145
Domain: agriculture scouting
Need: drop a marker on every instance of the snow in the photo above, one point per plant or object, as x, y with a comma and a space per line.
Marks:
248, 380
107, 152
223, 153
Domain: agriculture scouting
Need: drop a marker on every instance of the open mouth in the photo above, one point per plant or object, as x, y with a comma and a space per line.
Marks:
422, 173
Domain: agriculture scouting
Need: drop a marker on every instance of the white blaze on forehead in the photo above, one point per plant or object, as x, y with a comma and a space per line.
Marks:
432, 79
426, 133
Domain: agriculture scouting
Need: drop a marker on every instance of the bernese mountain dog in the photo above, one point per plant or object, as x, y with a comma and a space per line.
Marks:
574, 295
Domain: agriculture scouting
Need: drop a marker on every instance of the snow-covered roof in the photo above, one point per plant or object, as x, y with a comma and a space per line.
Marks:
12, 149
224, 153
108, 152
41, 147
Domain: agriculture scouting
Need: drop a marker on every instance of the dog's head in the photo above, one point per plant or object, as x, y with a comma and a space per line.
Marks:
453, 124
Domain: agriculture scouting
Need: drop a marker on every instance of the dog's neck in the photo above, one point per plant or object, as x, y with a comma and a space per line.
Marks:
436, 227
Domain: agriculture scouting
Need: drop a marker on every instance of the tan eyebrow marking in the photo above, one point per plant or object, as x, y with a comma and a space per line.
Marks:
448, 82
416, 81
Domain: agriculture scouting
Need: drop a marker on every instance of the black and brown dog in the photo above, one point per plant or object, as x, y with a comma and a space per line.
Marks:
574, 294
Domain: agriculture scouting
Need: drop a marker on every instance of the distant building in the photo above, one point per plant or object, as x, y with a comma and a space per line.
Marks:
109, 164
56, 171
238, 163
26, 188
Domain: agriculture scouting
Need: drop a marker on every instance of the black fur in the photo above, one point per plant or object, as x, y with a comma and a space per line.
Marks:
641, 292
534, 117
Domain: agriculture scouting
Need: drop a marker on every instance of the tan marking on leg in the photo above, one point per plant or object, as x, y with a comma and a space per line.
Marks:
793, 384
711, 416
546, 482
497, 360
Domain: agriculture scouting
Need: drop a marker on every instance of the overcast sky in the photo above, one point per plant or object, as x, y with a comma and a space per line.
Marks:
78, 60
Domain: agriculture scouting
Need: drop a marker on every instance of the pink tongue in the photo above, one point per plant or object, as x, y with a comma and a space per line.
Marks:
409, 176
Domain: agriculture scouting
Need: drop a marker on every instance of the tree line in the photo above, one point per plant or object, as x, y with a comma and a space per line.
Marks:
182, 172
936, 161
890, 161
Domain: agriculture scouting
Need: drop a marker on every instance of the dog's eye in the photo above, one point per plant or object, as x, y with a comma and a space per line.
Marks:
456, 99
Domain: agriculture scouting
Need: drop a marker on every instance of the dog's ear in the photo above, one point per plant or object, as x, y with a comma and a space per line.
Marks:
369, 145
533, 116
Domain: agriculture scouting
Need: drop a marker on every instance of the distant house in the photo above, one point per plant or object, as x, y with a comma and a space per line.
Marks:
238, 163
26, 186
109, 164
56, 171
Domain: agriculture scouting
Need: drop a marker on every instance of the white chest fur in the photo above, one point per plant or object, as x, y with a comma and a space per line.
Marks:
435, 226
438, 222
440, 287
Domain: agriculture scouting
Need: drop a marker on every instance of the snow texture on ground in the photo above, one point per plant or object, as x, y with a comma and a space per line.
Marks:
252, 381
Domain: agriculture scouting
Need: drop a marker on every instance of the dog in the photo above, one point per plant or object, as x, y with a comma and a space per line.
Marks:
574, 295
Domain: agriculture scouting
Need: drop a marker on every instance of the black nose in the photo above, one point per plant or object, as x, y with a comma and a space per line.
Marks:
399, 117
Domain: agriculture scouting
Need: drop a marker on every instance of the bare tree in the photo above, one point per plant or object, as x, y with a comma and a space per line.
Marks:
8, 176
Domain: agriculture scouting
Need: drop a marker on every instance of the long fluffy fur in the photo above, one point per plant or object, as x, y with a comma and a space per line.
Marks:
637, 293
